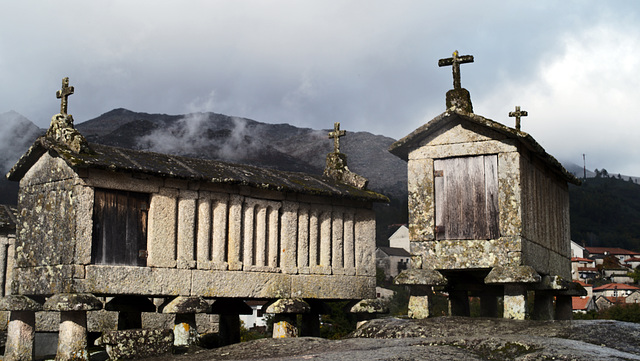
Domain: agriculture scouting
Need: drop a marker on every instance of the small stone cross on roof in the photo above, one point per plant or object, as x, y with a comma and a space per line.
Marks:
63, 94
336, 134
455, 62
518, 113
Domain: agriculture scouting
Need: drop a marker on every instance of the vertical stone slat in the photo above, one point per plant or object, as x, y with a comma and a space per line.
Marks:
273, 236
186, 229
365, 239
162, 229
260, 235
349, 243
234, 228
337, 241
219, 236
203, 243
303, 239
314, 235
248, 232
325, 241
289, 237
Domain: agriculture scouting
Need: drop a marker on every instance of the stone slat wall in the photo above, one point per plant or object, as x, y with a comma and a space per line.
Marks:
220, 231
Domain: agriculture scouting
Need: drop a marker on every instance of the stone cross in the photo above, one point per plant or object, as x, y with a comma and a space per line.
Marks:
336, 134
455, 62
518, 113
64, 95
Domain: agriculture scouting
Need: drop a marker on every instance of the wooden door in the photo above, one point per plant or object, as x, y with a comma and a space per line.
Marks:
466, 197
119, 228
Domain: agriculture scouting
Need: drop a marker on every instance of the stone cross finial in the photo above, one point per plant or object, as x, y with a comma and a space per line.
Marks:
336, 134
64, 95
518, 113
455, 62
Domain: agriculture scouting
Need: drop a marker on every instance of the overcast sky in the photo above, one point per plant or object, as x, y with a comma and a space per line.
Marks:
371, 65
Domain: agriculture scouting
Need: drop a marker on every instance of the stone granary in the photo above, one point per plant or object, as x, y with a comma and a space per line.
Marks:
127, 225
488, 214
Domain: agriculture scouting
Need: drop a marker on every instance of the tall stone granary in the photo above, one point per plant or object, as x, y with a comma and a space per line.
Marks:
135, 232
488, 214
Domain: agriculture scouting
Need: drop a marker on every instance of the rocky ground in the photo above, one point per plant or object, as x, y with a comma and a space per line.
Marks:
448, 338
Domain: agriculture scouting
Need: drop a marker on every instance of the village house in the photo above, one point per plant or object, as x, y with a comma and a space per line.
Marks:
577, 250
632, 262
400, 238
599, 253
585, 303
98, 222
392, 260
583, 269
488, 213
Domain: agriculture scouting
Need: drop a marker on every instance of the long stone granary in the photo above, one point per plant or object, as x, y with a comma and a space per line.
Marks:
112, 222
488, 214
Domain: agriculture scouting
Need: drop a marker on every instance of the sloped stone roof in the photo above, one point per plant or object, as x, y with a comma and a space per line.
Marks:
402, 147
170, 166
395, 251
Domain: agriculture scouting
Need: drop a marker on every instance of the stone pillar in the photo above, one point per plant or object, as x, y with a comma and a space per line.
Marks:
235, 233
273, 236
72, 337
543, 306
515, 301
304, 250
288, 236
261, 235
337, 241
186, 257
489, 304
366, 310
203, 244
314, 237
285, 311
185, 330
564, 308
421, 282
349, 244
325, 241
459, 303
21, 329
229, 310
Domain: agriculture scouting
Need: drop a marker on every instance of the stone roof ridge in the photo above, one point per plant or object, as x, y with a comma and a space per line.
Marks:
402, 147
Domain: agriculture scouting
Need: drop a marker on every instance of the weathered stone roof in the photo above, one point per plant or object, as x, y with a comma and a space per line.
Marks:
402, 147
170, 166
7, 217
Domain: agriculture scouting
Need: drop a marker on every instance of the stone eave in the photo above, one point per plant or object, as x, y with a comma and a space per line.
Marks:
191, 169
402, 147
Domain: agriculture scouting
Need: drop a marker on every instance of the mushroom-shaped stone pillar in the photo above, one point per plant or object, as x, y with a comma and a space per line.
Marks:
421, 283
229, 310
185, 331
515, 280
130, 310
368, 309
285, 310
72, 337
21, 328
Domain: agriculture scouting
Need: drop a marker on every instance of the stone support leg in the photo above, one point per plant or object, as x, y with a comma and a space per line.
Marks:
515, 302
229, 329
72, 338
489, 304
310, 325
543, 306
185, 332
459, 303
564, 309
20, 336
284, 325
419, 306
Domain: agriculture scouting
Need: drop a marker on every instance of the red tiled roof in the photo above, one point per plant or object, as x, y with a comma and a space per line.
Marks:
632, 259
610, 250
579, 303
612, 286
579, 259
616, 300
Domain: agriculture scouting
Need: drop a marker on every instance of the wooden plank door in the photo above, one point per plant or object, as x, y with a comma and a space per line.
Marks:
466, 197
119, 228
